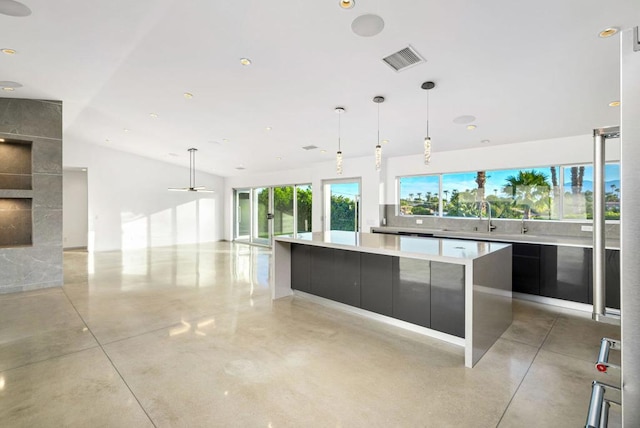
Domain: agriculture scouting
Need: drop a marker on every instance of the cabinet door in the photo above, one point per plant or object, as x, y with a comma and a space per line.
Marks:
412, 290
301, 267
447, 298
612, 298
566, 273
526, 268
376, 283
321, 271
346, 275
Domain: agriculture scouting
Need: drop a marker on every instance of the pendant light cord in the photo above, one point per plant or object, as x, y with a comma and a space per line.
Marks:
339, 129
427, 114
378, 142
192, 167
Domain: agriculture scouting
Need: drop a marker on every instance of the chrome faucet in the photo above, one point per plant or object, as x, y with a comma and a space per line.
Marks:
490, 227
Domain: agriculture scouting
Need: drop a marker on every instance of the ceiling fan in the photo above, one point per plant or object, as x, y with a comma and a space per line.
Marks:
192, 176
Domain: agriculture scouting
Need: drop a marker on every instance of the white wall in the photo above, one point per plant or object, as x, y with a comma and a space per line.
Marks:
380, 188
74, 209
130, 207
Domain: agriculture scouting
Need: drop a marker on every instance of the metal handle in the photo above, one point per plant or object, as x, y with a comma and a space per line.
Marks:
602, 365
598, 415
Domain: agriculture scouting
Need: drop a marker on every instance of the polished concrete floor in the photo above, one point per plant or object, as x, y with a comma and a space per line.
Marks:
187, 336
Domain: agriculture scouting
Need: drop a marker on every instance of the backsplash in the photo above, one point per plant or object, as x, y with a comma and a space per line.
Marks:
534, 227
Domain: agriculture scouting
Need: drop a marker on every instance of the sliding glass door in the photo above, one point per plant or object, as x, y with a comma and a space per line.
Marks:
264, 212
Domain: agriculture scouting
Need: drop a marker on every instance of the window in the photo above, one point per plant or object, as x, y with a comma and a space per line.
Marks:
459, 195
419, 195
527, 193
543, 193
578, 191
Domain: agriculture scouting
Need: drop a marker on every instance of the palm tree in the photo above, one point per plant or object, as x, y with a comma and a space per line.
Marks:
481, 179
577, 176
529, 189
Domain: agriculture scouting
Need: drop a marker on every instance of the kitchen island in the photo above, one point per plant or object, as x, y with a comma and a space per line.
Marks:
458, 291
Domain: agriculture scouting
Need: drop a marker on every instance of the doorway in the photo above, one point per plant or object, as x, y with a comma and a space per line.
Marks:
264, 212
341, 205
75, 213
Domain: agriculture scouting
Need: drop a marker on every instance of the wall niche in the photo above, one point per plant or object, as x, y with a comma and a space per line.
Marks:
15, 168
15, 222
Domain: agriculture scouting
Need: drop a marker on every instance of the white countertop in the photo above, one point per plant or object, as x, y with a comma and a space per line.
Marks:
436, 249
569, 241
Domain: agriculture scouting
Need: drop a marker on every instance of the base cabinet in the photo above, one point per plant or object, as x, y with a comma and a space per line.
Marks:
335, 275
447, 298
412, 291
425, 293
376, 283
566, 273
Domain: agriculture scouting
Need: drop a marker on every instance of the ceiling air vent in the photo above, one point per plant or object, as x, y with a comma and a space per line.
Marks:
403, 59
310, 147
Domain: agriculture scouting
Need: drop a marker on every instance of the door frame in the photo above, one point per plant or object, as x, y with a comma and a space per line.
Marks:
326, 203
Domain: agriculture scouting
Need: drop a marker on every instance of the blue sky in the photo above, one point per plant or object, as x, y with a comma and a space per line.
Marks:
348, 190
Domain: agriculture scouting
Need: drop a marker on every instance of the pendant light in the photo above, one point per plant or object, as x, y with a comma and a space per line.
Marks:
378, 100
427, 140
192, 176
339, 111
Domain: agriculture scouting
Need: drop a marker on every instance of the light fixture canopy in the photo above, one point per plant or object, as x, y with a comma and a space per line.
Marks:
339, 111
427, 140
378, 151
192, 176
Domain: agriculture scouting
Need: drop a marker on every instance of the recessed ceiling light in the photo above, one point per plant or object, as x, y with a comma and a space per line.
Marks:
485, 141
245, 61
614, 104
347, 4
83, 169
225, 140
279, 158
14, 8
323, 151
471, 127
268, 128
188, 95
153, 115
9, 51
463, 120
608, 32
385, 141
125, 130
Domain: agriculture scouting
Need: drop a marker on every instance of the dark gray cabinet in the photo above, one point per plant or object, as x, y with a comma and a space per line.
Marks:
335, 274
566, 273
376, 283
447, 298
301, 268
612, 296
412, 290
425, 293
526, 268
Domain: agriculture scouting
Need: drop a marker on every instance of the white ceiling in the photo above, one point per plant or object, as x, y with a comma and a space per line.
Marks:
526, 70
